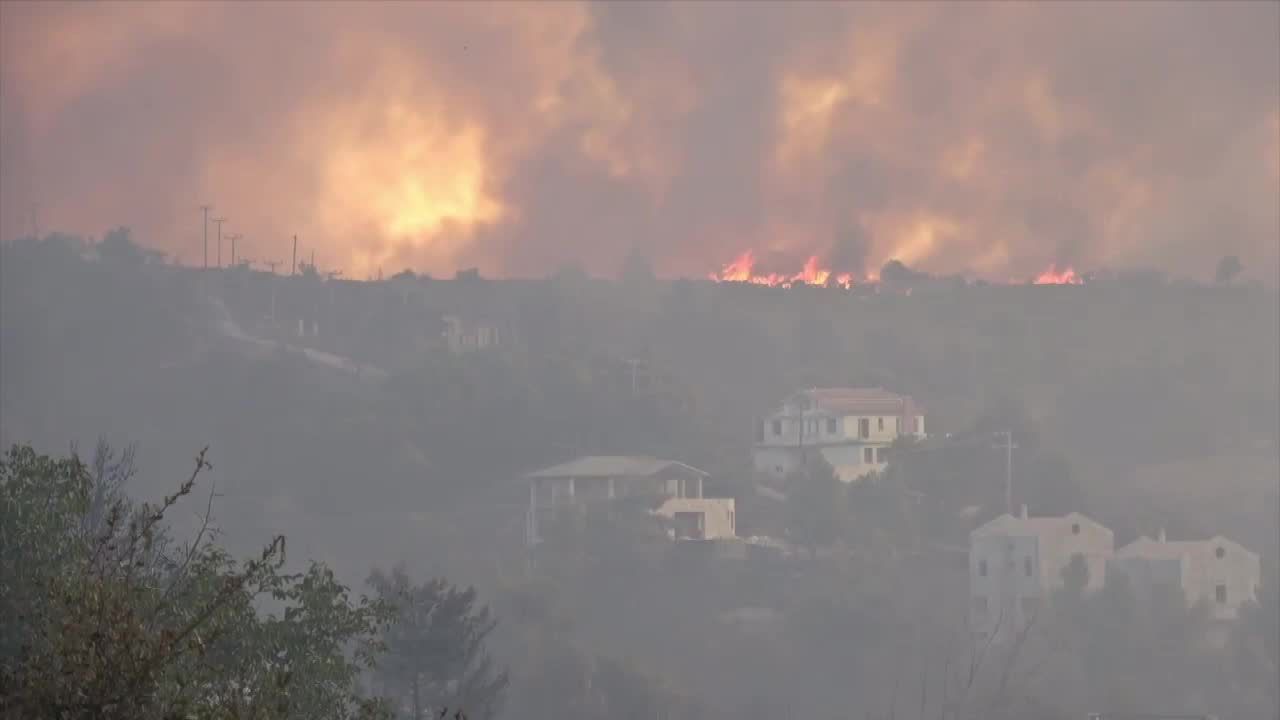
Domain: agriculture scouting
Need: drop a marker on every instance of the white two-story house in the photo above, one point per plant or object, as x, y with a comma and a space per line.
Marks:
1016, 562
594, 481
853, 428
1218, 573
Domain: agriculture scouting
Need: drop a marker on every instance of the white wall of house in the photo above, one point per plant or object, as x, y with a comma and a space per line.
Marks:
819, 428
775, 461
878, 428
854, 442
851, 462
794, 428
1016, 562
1002, 593
590, 487
718, 516
1076, 535
461, 336
1218, 573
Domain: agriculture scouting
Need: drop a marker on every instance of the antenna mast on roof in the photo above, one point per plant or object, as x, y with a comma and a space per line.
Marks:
1008, 448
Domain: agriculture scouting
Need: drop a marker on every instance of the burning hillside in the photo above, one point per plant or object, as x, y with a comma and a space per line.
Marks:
1054, 276
743, 269
746, 269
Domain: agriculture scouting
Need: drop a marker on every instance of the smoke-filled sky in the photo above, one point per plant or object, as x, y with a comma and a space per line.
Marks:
992, 139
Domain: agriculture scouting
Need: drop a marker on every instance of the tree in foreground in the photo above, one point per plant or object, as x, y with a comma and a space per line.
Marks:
816, 504
105, 618
433, 650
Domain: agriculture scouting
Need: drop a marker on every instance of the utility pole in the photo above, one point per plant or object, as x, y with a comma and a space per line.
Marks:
272, 280
205, 231
234, 238
293, 264
633, 362
218, 222
1008, 448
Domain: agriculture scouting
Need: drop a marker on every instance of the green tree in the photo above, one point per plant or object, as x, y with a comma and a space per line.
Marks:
816, 503
433, 651
637, 270
1255, 643
1075, 576
1228, 268
110, 622
118, 246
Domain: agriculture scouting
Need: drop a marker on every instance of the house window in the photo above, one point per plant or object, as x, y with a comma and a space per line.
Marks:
1026, 566
1221, 592
831, 426
882, 455
1075, 528
864, 427
880, 424
777, 428
982, 568
733, 528
980, 605
868, 456
1220, 552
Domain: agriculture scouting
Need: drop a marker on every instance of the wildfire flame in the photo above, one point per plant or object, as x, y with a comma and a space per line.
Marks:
741, 269
1054, 276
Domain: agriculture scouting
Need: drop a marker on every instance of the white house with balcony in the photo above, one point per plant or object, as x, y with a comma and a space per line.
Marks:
853, 428
1220, 574
673, 489
462, 336
1016, 562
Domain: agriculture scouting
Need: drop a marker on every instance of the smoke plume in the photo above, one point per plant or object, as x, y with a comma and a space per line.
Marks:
992, 139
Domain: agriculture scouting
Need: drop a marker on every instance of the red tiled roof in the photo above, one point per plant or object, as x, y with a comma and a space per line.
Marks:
862, 401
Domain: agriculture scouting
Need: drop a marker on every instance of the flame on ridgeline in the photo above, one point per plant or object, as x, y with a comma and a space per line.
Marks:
742, 269
1054, 276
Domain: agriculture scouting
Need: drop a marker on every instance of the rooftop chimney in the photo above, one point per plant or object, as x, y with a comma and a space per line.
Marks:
1024, 511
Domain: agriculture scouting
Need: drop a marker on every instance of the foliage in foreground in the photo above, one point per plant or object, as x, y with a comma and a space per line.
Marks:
434, 648
108, 618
